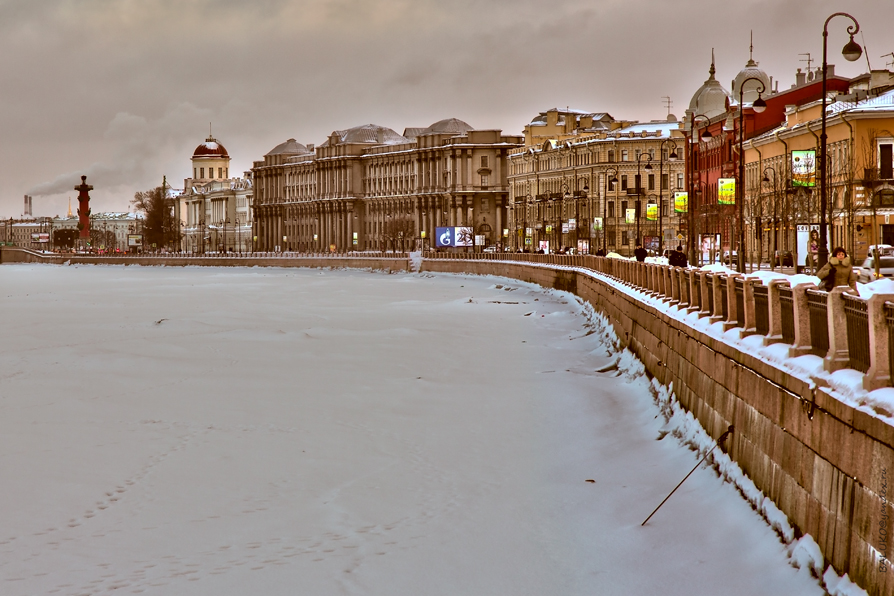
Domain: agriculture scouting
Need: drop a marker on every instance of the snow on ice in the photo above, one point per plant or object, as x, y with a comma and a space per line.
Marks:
279, 431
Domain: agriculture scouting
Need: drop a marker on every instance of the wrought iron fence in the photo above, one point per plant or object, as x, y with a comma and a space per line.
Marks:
787, 312
724, 297
762, 309
739, 287
889, 319
819, 321
857, 316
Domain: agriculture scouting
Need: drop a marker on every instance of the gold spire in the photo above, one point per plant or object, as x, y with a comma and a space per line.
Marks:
69, 206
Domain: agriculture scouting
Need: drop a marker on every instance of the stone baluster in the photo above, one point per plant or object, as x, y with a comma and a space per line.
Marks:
838, 356
803, 341
703, 297
717, 315
731, 310
749, 325
879, 373
695, 292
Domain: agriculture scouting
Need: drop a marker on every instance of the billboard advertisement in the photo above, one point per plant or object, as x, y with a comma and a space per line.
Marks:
726, 191
40, 237
597, 223
630, 216
681, 202
652, 211
134, 240
804, 168
453, 236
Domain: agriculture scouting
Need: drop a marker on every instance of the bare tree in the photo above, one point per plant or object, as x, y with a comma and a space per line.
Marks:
397, 231
159, 225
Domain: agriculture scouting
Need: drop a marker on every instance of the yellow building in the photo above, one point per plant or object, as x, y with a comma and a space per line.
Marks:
579, 188
781, 180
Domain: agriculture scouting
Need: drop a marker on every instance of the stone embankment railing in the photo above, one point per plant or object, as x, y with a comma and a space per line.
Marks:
822, 457
844, 329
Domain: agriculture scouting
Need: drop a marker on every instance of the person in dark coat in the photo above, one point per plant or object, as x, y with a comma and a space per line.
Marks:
640, 253
677, 258
600, 253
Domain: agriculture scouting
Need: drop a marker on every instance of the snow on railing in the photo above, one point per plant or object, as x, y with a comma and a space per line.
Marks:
847, 331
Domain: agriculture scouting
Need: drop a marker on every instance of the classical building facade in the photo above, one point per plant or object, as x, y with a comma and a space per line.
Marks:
783, 194
597, 184
370, 188
214, 210
714, 157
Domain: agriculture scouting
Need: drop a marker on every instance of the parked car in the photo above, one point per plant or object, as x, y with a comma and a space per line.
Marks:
866, 271
784, 258
490, 249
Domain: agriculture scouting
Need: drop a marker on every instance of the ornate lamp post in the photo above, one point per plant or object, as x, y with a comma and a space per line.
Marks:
671, 157
766, 182
608, 182
639, 188
690, 203
851, 51
238, 245
758, 106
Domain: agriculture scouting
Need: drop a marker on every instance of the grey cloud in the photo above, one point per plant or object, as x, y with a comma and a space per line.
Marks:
125, 89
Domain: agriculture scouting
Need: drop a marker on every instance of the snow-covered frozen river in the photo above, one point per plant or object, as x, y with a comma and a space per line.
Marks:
188, 431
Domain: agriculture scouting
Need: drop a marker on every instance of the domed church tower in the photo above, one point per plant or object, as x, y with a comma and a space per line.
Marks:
210, 161
711, 99
751, 71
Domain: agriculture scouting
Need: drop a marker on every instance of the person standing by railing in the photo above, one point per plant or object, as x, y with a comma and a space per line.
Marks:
838, 271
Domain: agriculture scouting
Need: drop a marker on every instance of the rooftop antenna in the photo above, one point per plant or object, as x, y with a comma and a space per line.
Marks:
866, 51
891, 63
667, 103
751, 47
808, 60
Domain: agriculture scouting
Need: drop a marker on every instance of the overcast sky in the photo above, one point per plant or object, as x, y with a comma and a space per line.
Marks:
123, 90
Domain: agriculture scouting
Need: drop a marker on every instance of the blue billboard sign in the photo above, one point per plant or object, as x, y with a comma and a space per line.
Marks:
453, 236
444, 236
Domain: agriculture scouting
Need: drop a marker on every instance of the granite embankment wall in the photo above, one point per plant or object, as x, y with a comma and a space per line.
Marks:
389, 263
825, 464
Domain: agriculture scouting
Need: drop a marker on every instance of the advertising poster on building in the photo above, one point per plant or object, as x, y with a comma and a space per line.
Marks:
652, 212
726, 191
454, 236
630, 216
681, 202
597, 224
804, 168
544, 246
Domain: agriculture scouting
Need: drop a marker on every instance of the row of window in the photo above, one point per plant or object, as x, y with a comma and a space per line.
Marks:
199, 173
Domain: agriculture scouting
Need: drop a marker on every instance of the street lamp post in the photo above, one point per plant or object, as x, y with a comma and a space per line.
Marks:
690, 202
671, 157
608, 182
238, 239
851, 51
639, 188
766, 180
758, 106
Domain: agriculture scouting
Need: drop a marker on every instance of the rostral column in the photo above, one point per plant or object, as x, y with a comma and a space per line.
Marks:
84, 208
